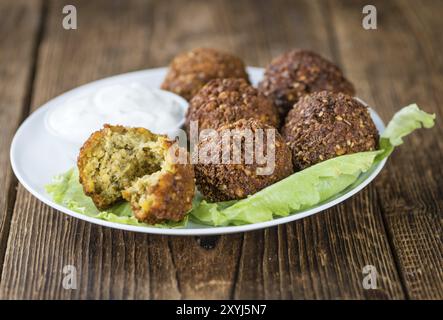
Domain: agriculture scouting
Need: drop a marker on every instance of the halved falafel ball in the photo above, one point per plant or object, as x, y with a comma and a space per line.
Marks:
190, 71
132, 163
249, 162
300, 72
224, 101
325, 125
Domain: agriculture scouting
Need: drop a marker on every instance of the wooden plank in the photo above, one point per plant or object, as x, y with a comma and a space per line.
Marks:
111, 38
403, 64
19, 29
318, 257
322, 256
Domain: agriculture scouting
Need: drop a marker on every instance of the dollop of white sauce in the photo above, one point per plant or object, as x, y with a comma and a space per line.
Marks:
130, 105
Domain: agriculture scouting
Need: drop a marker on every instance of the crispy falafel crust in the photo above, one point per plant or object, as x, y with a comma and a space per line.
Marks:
299, 72
190, 71
325, 125
171, 193
222, 182
224, 101
173, 196
170, 197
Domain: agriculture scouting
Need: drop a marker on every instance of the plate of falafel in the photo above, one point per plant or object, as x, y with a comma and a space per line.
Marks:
254, 147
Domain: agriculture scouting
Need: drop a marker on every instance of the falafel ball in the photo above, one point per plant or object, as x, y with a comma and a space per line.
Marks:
324, 125
224, 101
190, 71
118, 163
300, 72
249, 171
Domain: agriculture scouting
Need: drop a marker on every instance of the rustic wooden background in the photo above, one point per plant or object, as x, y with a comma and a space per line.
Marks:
395, 224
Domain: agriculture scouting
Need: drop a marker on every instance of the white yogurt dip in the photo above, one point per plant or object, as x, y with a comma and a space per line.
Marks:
130, 104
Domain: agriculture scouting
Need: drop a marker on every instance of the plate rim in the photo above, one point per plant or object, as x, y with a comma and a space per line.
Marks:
204, 230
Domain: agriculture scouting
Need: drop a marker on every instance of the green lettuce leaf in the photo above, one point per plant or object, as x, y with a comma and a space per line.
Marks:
68, 192
298, 192
315, 184
403, 123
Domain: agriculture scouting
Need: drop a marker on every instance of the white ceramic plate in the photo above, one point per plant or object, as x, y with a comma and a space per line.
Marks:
37, 156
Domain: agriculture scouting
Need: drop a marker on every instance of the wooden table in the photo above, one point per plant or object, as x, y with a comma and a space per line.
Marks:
395, 224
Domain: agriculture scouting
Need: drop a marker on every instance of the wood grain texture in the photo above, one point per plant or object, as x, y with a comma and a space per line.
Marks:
320, 257
111, 264
111, 38
403, 65
19, 28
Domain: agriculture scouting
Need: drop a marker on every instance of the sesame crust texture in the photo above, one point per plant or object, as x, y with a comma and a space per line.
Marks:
224, 101
299, 72
325, 125
190, 71
232, 181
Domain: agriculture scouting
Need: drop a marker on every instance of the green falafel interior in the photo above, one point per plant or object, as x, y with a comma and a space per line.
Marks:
300, 191
66, 190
